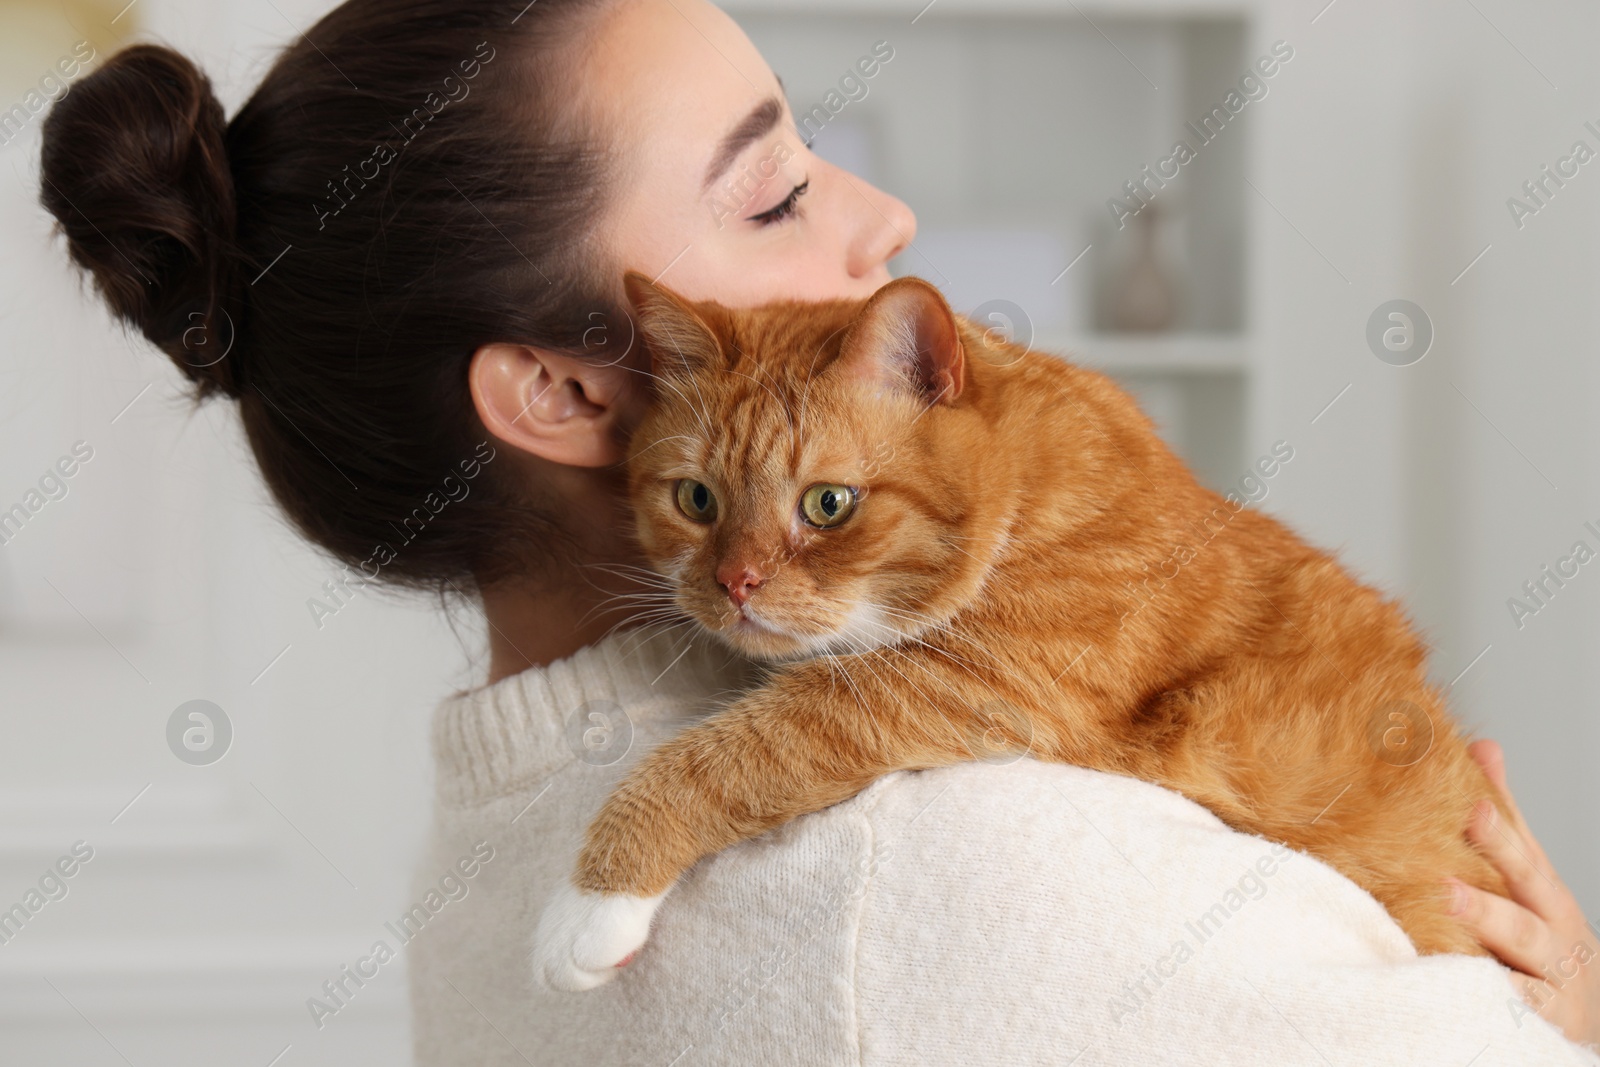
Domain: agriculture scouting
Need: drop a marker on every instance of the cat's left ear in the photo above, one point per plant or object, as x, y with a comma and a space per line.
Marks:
674, 334
907, 336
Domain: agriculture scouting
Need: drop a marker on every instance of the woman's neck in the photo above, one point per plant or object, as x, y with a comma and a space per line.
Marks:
533, 626
540, 620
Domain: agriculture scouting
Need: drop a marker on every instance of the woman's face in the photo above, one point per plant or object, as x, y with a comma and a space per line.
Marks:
717, 195
714, 194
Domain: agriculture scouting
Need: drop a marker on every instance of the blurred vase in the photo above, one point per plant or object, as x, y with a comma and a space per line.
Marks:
1144, 300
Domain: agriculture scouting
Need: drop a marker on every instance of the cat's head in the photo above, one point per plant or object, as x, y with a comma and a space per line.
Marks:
803, 479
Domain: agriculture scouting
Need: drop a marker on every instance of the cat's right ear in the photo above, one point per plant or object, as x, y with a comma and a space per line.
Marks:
906, 337
678, 339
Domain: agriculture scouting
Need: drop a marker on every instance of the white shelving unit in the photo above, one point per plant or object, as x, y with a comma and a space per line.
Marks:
1008, 127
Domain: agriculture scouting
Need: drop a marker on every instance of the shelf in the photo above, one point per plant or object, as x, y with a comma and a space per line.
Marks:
1175, 353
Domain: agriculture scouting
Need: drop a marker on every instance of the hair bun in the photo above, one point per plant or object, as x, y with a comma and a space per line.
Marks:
135, 171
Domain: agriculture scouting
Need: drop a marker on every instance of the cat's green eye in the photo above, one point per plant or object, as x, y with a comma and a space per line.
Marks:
696, 501
827, 505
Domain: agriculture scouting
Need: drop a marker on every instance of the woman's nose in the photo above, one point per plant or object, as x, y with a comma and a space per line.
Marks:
885, 226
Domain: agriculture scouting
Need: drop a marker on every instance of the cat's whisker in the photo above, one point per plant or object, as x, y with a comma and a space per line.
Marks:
703, 412
643, 596
878, 655
612, 566
631, 600
861, 657
884, 651
629, 610
961, 698
632, 640
949, 631
649, 630
934, 627
873, 712
969, 555
652, 591
660, 611
658, 619
689, 633
950, 625
833, 661
647, 581
918, 662
700, 414
910, 615
634, 614
674, 437
932, 704
638, 579
639, 575
636, 596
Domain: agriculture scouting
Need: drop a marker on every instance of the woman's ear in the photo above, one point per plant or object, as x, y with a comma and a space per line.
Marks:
559, 408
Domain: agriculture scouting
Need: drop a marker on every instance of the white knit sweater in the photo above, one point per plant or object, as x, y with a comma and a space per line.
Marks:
979, 914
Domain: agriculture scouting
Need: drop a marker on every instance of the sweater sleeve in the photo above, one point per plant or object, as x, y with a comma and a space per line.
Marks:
1039, 913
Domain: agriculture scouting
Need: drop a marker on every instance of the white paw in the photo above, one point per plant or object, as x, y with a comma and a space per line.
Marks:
583, 938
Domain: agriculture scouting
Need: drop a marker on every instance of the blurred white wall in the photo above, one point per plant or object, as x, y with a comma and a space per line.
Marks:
1378, 168
226, 894
1453, 481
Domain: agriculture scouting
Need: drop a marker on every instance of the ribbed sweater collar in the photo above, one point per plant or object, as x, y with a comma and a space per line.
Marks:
503, 737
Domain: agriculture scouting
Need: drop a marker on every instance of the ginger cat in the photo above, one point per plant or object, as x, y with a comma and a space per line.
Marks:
947, 544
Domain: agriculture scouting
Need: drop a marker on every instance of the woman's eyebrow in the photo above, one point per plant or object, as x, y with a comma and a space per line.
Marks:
751, 129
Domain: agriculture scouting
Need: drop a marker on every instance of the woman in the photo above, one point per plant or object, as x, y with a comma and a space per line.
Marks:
402, 260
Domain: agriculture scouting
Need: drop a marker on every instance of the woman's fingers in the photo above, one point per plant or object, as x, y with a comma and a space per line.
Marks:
1492, 759
1519, 937
1509, 845
1531, 883
1542, 933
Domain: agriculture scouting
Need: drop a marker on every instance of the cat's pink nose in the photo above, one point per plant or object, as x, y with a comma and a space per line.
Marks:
739, 581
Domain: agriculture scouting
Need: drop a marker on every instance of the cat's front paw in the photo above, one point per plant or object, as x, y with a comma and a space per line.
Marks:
583, 938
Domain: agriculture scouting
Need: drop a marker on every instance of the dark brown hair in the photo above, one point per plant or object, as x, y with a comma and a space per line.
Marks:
403, 187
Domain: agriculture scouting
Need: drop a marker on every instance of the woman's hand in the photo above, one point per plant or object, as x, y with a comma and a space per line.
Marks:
1540, 933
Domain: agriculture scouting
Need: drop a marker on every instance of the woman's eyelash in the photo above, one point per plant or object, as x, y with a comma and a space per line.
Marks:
785, 209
